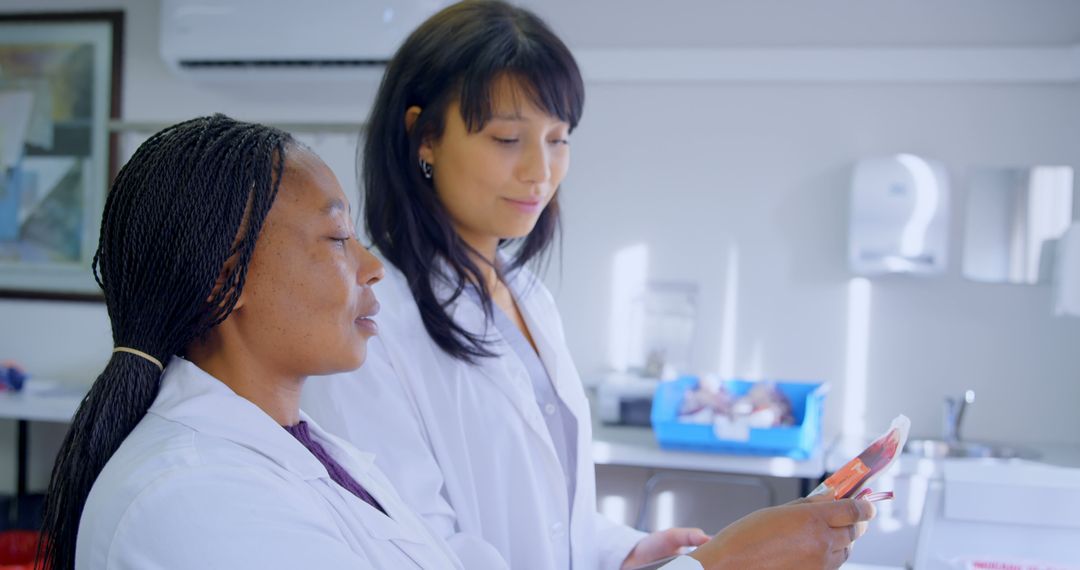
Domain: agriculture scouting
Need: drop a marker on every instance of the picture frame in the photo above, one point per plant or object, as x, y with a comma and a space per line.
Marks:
60, 85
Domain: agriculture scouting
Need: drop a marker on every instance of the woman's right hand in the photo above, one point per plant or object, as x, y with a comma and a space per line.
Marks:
809, 533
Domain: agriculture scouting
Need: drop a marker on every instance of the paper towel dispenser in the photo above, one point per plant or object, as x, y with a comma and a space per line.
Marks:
899, 216
1013, 218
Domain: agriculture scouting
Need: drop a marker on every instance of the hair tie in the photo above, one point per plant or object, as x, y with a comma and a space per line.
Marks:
140, 354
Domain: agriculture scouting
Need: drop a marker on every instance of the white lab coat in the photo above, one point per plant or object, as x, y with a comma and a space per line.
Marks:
208, 480
466, 445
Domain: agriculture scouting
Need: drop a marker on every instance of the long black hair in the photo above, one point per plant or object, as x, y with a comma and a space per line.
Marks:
177, 234
456, 56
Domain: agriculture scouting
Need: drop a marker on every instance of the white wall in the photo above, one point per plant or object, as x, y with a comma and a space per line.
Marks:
691, 170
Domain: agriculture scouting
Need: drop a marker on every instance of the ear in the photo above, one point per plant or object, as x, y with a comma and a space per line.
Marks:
426, 153
219, 283
240, 302
411, 115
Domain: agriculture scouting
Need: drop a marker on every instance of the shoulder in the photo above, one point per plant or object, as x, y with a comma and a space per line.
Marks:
167, 478
208, 515
161, 455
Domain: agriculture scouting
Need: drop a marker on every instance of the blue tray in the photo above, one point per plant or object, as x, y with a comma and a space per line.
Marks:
798, 441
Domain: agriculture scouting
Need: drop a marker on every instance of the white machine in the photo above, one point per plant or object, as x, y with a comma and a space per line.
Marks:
203, 38
1015, 514
625, 399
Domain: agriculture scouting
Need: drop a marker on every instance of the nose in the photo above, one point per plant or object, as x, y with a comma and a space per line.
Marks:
370, 270
535, 166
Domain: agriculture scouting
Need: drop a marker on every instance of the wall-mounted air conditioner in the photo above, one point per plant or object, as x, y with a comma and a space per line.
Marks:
235, 39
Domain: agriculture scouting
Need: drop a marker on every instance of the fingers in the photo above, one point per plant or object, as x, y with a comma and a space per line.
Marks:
839, 538
821, 498
842, 539
687, 536
838, 557
847, 520
847, 512
860, 529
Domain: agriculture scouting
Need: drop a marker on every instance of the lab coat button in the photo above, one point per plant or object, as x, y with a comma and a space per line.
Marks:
556, 530
549, 409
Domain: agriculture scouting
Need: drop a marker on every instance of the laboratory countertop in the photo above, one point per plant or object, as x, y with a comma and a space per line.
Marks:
845, 448
53, 401
42, 401
637, 447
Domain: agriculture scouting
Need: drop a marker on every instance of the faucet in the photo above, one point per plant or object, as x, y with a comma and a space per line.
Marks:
954, 414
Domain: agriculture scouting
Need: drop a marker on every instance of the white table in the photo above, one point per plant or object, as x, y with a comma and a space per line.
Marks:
637, 447
50, 401
43, 401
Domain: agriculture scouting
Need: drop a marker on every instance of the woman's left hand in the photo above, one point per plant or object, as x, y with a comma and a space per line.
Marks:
663, 544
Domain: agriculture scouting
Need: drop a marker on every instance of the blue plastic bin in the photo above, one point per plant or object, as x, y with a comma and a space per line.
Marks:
798, 441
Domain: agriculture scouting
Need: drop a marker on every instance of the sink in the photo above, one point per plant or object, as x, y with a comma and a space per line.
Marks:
937, 448
952, 445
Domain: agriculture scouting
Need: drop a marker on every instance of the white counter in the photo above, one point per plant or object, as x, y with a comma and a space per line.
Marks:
637, 447
43, 401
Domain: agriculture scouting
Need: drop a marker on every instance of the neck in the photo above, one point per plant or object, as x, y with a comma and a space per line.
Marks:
483, 255
275, 393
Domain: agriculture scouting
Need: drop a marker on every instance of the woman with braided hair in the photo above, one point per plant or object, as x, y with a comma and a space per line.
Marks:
231, 272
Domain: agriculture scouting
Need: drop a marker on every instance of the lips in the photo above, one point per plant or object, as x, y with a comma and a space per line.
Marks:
530, 202
364, 320
369, 305
370, 310
530, 207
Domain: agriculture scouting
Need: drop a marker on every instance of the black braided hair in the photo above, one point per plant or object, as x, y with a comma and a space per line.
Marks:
456, 55
177, 234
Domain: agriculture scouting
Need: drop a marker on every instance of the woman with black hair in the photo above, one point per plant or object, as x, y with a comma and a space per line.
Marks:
231, 272
481, 418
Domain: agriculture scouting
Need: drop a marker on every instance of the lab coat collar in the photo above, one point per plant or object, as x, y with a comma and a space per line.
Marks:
521, 282
190, 396
523, 285
467, 311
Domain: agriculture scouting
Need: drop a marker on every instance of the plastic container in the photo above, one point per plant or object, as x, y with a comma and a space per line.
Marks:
17, 549
797, 442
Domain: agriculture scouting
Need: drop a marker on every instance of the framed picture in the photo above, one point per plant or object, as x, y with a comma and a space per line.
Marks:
59, 87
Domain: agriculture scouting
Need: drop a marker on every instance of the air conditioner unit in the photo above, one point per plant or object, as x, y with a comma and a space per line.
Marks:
235, 39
